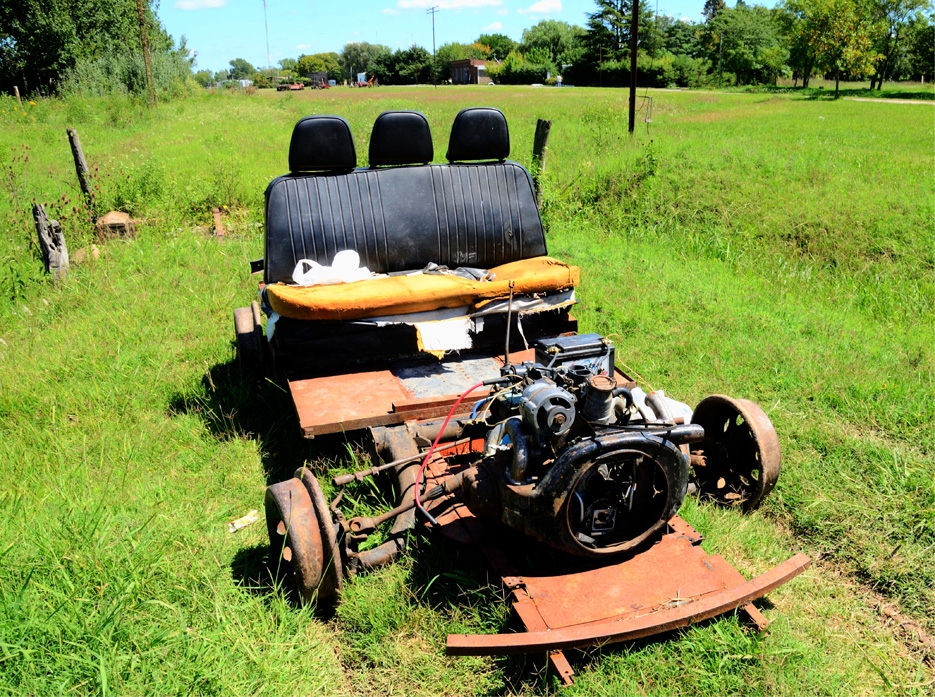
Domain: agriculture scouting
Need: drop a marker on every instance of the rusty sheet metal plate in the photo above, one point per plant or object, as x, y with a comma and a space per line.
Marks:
410, 391
670, 573
635, 627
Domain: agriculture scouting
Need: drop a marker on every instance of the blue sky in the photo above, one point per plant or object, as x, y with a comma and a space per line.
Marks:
219, 30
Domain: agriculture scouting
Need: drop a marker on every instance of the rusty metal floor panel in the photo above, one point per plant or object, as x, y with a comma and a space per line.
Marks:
670, 584
350, 401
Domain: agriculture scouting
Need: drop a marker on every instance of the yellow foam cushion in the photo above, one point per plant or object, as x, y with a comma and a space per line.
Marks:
397, 295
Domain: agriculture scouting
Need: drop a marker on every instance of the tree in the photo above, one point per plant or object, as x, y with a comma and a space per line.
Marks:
358, 57
747, 42
449, 52
680, 38
498, 45
892, 18
42, 42
320, 63
711, 9
241, 69
204, 77
559, 42
919, 57
608, 33
404, 67
288, 64
840, 33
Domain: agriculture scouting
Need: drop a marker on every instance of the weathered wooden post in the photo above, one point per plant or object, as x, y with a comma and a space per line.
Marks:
81, 168
540, 145
52, 243
16, 92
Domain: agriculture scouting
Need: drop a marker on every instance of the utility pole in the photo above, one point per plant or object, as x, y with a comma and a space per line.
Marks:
433, 10
634, 36
269, 63
147, 59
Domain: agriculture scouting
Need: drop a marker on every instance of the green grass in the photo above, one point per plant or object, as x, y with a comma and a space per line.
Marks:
767, 246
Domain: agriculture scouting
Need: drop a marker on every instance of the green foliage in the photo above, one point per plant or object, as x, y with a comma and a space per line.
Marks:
124, 74
836, 34
746, 41
498, 46
447, 53
552, 42
241, 69
404, 67
517, 70
919, 57
43, 41
356, 57
320, 63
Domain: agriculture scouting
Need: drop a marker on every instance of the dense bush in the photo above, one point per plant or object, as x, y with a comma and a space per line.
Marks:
124, 73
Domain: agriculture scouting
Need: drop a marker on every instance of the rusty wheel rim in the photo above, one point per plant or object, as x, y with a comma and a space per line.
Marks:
332, 579
295, 546
740, 452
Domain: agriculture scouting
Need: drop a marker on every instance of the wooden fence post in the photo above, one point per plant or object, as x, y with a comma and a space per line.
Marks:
539, 148
52, 243
81, 168
16, 92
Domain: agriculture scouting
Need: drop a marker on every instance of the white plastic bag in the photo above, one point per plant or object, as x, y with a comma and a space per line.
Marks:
345, 268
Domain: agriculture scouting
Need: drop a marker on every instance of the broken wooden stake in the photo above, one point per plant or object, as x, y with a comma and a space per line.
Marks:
218, 225
539, 148
52, 243
16, 92
81, 168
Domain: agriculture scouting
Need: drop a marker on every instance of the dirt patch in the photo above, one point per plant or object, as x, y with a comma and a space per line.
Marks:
891, 101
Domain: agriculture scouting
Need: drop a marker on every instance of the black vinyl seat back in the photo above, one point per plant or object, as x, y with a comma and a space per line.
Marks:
479, 133
322, 142
401, 138
402, 217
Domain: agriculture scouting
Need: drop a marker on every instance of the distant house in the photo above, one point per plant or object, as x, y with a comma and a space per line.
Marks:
469, 71
245, 83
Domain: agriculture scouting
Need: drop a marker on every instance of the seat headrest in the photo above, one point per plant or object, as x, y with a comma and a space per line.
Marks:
321, 142
479, 133
401, 138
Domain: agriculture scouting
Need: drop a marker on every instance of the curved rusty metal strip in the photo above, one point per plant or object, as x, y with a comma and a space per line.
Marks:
612, 631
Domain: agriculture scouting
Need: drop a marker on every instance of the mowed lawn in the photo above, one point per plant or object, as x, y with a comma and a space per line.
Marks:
766, 246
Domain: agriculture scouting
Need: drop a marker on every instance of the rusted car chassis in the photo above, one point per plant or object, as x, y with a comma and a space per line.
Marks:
526, 441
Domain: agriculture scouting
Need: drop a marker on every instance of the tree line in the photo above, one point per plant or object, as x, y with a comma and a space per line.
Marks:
94, 47
740, 45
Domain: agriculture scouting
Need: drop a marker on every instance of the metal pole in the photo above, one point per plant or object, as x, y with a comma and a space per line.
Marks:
269, 63
433, 10
634, 36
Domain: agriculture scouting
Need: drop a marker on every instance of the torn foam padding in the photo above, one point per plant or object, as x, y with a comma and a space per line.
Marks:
393, 295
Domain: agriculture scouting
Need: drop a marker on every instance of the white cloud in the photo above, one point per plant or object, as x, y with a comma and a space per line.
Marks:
496, 26
447, 4
543, 7
391, 11
200, 4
